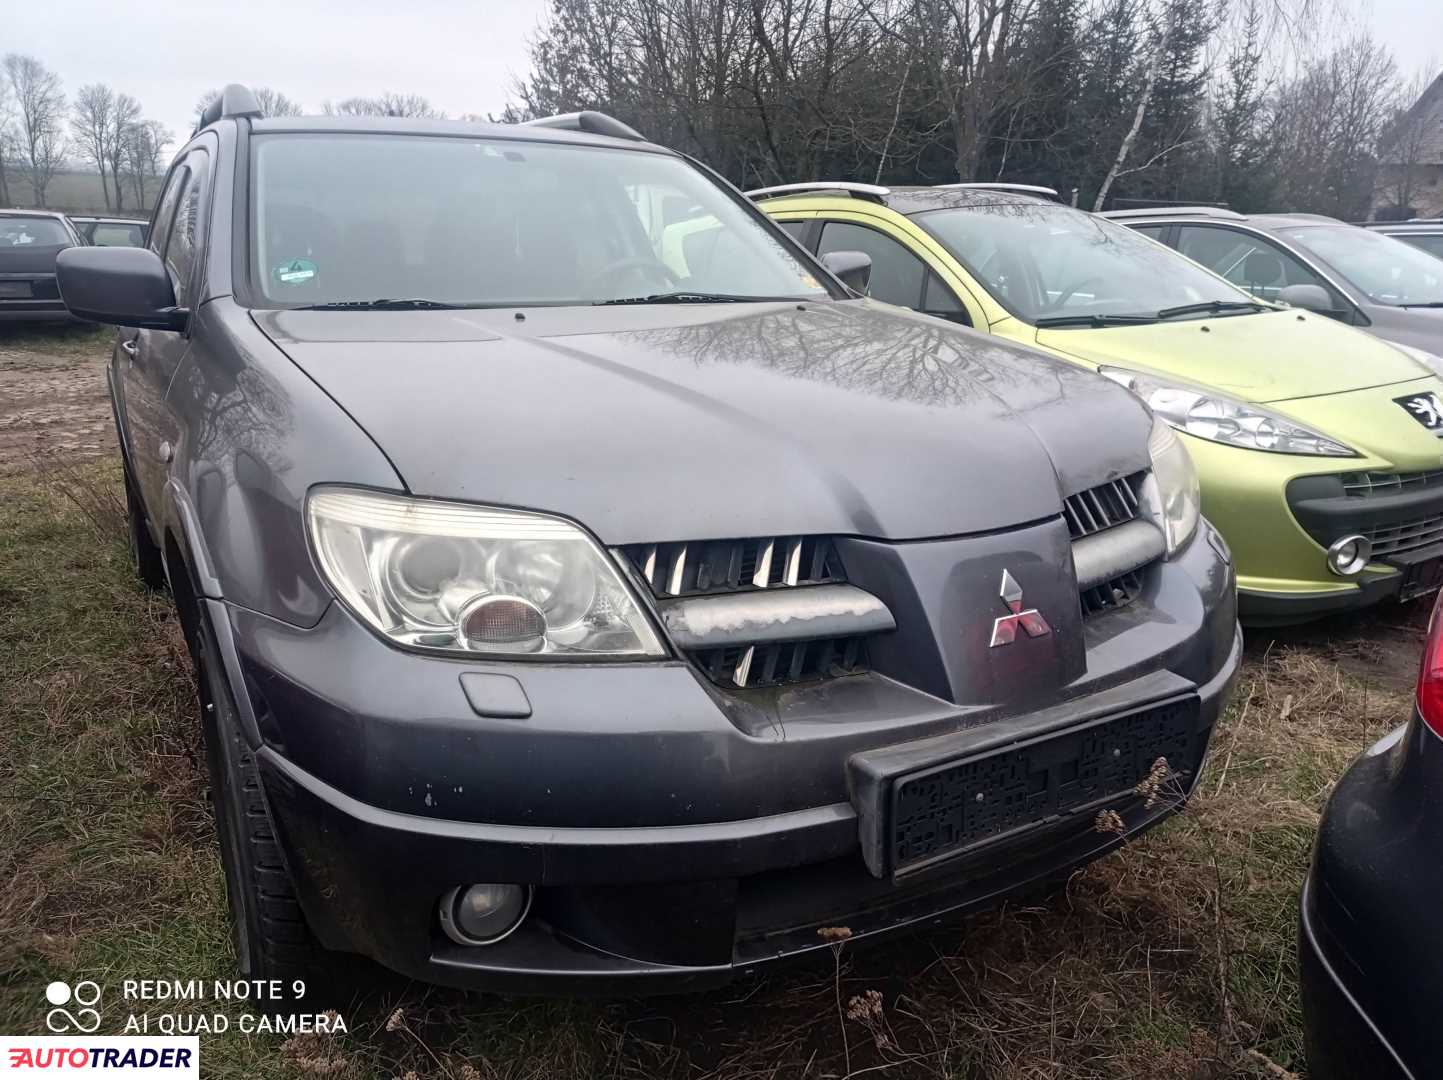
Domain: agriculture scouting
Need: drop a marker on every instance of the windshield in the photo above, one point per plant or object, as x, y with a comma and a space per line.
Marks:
32, 231
1387, 270
353, 219
1043, 261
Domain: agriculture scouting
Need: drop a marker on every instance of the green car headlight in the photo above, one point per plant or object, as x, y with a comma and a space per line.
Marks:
1171, 497
1218, 418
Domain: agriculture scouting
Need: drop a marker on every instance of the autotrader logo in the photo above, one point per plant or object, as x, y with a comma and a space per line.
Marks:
83, 998
1030, 620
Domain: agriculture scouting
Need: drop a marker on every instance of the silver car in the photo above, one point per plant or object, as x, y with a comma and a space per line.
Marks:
1357, 276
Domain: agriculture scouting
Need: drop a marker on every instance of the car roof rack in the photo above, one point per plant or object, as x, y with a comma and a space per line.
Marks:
1028, 189
589, 121
234, 100
871, 192
1174, 211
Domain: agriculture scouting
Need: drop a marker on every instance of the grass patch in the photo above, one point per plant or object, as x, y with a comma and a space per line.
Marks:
39, 345
1172, 958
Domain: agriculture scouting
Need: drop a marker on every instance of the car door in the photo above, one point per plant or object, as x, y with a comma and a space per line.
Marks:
899, 276
1255, 264
150, 357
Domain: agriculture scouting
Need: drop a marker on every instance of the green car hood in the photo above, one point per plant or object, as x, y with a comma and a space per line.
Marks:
1270, 356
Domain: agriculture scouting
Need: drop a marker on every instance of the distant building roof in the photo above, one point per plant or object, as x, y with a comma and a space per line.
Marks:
1427, 111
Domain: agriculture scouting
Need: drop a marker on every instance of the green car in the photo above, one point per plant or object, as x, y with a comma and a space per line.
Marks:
1318, 446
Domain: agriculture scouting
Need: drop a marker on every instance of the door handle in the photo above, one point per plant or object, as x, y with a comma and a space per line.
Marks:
129, 347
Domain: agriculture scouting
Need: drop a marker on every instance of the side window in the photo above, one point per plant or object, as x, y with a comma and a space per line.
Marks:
939, 300
1152, 232
186, 229
166, 210
797, 229
1249, 262
897, 274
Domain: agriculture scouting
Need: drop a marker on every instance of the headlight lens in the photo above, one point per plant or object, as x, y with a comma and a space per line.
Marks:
1171, 496
1209, 415
453, 577
1432, 361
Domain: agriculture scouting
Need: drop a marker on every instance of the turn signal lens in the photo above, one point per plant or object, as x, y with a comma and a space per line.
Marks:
1430, 677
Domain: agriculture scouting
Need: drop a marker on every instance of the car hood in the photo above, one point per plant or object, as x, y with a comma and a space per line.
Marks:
30, 258
651, 423
1266, 357
1422, 328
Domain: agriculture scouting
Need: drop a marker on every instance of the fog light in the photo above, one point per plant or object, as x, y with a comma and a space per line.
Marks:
1348, 556
483, 914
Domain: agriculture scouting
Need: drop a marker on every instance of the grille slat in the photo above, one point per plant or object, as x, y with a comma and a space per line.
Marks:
707, 567
1365, 485
1102, 507
783, 663
1111, 595
1406, 536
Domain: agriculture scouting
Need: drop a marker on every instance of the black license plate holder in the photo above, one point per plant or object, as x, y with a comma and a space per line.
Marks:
935, 815
15, 290
1422, 572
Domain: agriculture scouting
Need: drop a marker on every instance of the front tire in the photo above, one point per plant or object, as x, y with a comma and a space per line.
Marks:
268, 928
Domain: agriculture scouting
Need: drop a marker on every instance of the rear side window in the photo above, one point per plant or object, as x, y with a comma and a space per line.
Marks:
1153, 232
939, 300
185, 230
797, 229
1433, 245
104, 234
1262, 268
897, 274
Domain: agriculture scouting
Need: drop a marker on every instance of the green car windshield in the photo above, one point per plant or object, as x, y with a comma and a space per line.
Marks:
1387, 270
368, 220
1045, 262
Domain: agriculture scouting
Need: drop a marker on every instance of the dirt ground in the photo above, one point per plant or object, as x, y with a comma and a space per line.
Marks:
52, 395
1173, 958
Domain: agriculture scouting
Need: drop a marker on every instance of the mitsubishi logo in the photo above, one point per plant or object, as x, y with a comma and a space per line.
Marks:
1004, 630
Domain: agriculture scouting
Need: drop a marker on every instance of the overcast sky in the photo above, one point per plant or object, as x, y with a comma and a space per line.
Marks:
461, 55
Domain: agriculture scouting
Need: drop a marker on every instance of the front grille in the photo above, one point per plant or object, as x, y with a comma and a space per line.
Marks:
780, 663
1104, 506
1368, 484
1110, 595
699, 568
1406, 536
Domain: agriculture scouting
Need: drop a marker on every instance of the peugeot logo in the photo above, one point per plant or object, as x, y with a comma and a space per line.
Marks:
1004, 629
1427, 409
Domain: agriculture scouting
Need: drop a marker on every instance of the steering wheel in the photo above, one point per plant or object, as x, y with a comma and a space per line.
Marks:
1067, 295
633, 264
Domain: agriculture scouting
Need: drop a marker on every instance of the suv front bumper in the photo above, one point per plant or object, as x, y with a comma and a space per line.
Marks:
670, 843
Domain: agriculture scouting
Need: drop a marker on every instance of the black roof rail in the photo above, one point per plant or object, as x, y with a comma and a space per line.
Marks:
234, 100
593, 123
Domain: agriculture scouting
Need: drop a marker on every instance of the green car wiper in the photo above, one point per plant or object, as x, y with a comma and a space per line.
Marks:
1094, 320
1211, 307
381, 305
696, 298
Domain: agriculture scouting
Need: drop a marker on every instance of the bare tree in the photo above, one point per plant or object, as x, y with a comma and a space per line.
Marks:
92, 126
387, 104
40, 112
144, 143
1404, 143
271, 102
127, 115
7, 137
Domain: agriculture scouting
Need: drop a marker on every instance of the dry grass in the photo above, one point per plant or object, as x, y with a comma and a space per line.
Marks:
1172, 958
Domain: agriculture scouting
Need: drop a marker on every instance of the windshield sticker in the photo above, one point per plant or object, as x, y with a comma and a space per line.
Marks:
295, 272
1427, 409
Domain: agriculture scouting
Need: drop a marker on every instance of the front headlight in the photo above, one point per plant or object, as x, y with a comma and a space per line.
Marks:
1171, 496
453, 577
1432, 361
1221, 419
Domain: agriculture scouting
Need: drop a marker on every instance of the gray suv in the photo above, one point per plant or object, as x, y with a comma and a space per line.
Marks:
588, 592
1358, 276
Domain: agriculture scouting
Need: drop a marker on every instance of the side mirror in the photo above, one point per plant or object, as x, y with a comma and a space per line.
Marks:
1307, 297
852, 268
121, 286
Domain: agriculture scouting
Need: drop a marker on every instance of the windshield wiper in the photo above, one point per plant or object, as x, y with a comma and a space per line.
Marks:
1424, 303
1094, 320
1212, 307
381, 305
696, 298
